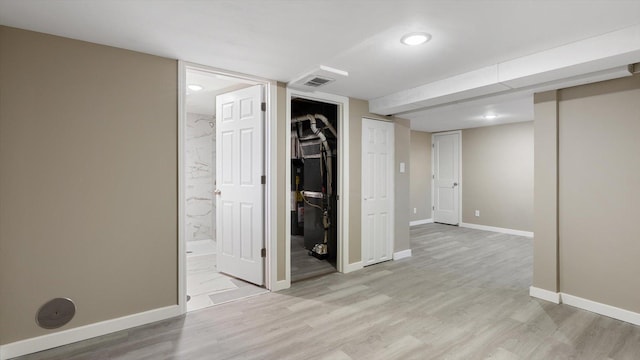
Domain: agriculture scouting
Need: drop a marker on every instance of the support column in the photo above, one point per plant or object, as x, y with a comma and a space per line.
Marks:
545, 244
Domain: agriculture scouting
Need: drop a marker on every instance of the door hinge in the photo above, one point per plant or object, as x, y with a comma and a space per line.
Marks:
263, 106
337, 197
263, 179
433, 146
433, 208
433, 176
263, 252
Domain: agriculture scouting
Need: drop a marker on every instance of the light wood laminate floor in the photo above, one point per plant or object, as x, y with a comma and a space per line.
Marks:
462, 295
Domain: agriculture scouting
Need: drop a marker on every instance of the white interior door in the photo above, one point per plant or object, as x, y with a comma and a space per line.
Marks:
446, 178
377, 191
239, 188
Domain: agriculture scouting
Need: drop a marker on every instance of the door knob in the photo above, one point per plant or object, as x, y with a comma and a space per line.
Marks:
217, 192
455, 184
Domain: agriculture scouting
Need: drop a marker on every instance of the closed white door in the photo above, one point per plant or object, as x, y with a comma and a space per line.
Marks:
377, 191
239, 189
446, 178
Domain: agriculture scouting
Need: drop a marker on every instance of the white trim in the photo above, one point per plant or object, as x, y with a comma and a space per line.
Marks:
182, 125
497, 229
420, 222
280, 285
543, 294
460, 182
271, 188
85, 332
352, 267
402, 254
433, 154
586, 304
343, 176
600, 308
287, 193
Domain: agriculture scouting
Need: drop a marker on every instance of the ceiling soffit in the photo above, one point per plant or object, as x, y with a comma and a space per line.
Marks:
594, 59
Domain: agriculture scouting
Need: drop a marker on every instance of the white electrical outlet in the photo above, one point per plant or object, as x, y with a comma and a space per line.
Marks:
477, 212
415, 210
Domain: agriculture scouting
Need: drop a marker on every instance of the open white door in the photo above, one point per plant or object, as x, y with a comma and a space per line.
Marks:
446, 178
377, 191
239, 189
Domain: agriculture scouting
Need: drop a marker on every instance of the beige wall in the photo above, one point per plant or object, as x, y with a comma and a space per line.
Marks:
357, 110
420, 182
88, 180
402, 184
586, 239
599, 199
497, 176
545, 242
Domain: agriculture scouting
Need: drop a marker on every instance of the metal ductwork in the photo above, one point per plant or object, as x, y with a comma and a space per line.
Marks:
314, 139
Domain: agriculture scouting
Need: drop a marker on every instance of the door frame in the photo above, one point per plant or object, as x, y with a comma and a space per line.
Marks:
460, 183
270, 159
343, 178
391, 193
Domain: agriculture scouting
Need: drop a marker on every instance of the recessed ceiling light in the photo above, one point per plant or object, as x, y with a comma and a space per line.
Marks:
195, 87
414, 39
490, 116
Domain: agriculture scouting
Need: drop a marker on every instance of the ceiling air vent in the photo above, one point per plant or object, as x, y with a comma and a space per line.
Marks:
317, 81
316, 78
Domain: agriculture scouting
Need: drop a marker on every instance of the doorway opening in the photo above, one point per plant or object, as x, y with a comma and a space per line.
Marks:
446, 186
205, 284
314, 185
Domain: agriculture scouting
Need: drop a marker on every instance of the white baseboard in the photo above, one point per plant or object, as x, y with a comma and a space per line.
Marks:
497, 229
347, 268
65, 337
543, 294
420, 222
602, 309
585, 304
402, 254
281, 285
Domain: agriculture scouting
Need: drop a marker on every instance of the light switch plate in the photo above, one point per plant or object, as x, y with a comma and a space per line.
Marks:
402, 167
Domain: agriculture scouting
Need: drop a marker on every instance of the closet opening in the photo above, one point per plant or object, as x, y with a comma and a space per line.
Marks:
314, 184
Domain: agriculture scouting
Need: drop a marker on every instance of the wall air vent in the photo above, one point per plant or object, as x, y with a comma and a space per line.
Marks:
317, 81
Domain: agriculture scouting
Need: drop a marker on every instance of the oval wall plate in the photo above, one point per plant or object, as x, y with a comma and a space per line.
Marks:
55, 313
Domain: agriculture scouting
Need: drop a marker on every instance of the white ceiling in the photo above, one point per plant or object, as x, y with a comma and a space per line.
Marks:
282, 40
464, 115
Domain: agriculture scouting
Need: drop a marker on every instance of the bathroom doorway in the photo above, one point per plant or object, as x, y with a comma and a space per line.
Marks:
205, 284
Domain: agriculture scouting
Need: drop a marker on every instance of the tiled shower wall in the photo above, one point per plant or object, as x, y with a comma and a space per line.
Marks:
200, 176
